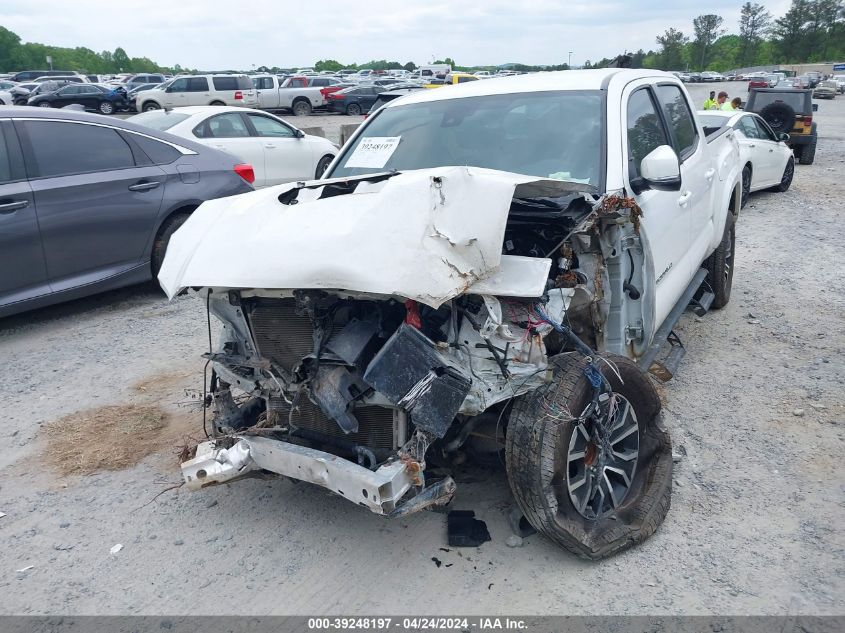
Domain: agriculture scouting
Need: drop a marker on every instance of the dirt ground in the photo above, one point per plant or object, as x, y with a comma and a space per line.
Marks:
757, 512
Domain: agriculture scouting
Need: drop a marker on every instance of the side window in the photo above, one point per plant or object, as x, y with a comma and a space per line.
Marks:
67, 91
159, 153
747, 127
264, 83
61, 149
179, 85
225, 83
764, 130
645, 130
265, 126
197, 84
679, 118
229, 125
5, 161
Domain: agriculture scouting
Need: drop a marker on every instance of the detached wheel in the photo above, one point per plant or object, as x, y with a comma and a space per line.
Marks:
720, 265
302, 108
106, 107
786, 178
353, 109
594, 483
166, 231
746, 186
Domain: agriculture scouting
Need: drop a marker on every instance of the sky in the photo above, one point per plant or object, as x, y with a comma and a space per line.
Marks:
212, 34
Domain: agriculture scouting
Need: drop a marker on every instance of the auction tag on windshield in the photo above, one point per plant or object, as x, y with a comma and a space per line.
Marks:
373, 152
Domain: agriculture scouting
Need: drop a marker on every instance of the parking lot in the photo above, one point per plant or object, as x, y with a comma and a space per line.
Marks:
756, 413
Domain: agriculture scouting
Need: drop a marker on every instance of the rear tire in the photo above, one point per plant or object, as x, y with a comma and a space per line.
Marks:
786, 178
217, 103
542, 464
353, 109
720, 265
106, 107
301, 108
150, 105
746, 186
808, 152
323, 165
163, 239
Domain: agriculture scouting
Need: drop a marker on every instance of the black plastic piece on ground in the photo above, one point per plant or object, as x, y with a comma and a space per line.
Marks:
465, 530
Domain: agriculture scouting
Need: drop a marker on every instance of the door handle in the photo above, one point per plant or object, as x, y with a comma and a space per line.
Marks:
709, 173
14, 205
144, 186
270, 146
684, 199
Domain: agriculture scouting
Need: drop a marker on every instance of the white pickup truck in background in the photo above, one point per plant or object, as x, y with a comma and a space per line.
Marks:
276, 95
484, 271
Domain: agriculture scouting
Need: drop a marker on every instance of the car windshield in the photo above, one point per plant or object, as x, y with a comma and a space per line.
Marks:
160, 120
546, 134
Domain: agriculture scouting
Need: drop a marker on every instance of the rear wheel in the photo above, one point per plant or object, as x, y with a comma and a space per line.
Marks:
150, 105
106, 107
746, 185
720, 265
217, 103
786, 178
808, 152
323, 165
301, 108
594, 483
163, 239
353, 109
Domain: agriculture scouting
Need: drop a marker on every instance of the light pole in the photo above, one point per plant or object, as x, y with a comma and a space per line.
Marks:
569, 63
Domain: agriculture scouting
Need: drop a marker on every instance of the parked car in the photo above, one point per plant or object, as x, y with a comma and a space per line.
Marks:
409, 298
132, 94
459, 78
767, 160
355, 100
7, 85
708, 76
390, 95
788, 110
198, 90
105, 100
278, 151
22, 93
88, 204
6, 98
827, 89
814, 78
29, 75
77, 79
273, 95
143, 79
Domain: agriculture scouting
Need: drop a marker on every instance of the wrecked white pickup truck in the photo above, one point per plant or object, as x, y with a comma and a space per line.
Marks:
486, 270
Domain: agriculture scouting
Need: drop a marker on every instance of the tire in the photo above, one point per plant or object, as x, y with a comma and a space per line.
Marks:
106, 107
746, 186
149, 106
353, 109
324, 163
217, 103
786, 178
163, 239
538, 447
779, 115
44, 104
301, 108
720, 265
808, 152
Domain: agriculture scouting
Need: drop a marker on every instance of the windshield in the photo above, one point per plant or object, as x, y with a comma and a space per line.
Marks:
160, 120
546, 134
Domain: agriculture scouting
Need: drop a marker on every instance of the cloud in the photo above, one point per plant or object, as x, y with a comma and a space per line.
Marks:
241, 34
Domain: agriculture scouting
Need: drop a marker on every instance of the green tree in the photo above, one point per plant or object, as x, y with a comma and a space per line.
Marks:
790, 32
410, 67
328, 64
121, 60
671, 44
707, 28
754, 24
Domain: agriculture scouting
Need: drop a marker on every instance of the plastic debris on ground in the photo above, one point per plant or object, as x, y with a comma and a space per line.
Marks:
116, 548
465, 530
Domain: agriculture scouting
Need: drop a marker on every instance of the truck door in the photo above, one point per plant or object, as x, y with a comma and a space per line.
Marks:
268, 94
698, 172
666, 214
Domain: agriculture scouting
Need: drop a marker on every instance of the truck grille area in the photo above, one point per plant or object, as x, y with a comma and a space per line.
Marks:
375, 424
280, 333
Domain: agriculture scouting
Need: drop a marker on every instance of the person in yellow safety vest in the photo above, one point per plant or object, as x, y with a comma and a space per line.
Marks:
723, 102
710, 103
736, 103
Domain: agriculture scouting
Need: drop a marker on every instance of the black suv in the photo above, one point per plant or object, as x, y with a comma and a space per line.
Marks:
791, 111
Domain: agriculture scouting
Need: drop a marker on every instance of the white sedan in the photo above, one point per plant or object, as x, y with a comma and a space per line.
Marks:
767, 160
277, 151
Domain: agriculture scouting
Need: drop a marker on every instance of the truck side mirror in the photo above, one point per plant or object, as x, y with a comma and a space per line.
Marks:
815, 107
661, 170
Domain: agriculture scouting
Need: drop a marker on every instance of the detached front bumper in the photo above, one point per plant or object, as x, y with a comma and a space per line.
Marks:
379, 490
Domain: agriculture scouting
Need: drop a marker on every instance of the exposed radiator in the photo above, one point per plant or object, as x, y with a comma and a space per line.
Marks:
375, 424
280, 334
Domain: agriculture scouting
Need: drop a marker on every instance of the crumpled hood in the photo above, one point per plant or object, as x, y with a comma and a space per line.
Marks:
427, 235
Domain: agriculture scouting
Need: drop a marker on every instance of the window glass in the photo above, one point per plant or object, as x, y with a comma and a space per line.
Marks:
764, 130
244, 82
265, 126
62, 148
679, 117
747, 127
225, 83
645, 130
229, 125
159, 119
159, 153
179, 85
197, 84
69, 90
5, 161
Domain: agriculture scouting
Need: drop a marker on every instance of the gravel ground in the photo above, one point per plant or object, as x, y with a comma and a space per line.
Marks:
755, 524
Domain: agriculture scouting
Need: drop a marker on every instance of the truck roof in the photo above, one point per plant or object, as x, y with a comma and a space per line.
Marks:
535, 82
